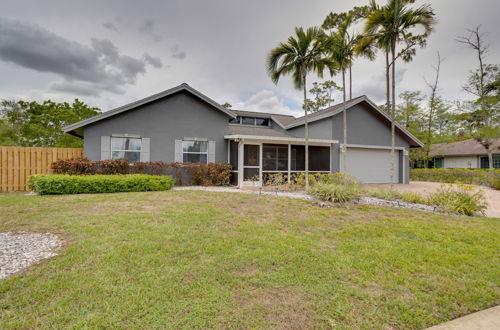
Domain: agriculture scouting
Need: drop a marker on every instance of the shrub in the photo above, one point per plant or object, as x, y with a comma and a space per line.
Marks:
337, 193
484, 177
59, 184
383, 193
413, 197
326, 178
73, 166
211, 174
462, 199
217, 174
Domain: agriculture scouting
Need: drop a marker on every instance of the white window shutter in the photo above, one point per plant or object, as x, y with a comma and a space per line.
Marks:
145, 149
178, 151
211, 151
105, 147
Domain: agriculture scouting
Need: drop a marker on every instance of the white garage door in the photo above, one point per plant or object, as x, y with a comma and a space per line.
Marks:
372, 165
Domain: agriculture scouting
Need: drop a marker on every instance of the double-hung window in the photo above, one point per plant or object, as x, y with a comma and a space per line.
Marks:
126, 148
195, 151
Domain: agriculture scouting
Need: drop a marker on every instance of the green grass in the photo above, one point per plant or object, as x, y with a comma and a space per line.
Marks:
186, 259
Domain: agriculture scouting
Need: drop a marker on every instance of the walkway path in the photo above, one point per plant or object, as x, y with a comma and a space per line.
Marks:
489, 319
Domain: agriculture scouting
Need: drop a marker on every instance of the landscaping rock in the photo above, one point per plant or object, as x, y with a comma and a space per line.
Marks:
383, 202
20, 250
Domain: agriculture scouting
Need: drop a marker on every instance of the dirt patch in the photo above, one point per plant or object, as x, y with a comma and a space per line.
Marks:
286, 308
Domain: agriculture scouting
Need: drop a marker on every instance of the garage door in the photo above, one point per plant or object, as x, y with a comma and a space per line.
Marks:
372, 165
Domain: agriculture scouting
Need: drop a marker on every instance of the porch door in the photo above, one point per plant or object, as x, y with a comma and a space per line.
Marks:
251, 163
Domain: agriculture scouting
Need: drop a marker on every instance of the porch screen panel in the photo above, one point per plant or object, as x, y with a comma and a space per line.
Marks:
298, 158
233, 155
319, 158
251, 157
275, 157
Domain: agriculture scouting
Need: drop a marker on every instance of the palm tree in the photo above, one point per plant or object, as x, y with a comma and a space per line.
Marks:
299, 56
342, 22
389, 26
342, 47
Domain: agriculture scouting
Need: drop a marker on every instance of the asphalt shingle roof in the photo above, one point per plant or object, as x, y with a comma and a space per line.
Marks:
461, 148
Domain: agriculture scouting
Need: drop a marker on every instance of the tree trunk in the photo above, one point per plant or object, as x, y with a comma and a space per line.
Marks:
306, 133
350, 82
393, 110
344, 151
387, 84
490, 158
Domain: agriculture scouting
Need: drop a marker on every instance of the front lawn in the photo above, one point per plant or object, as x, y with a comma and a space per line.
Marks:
184, 259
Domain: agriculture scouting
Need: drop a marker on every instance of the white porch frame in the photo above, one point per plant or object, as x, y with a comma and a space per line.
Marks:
260, 141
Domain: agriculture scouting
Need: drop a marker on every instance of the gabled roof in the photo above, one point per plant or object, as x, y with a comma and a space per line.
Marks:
133, 105
338, 108
468, 147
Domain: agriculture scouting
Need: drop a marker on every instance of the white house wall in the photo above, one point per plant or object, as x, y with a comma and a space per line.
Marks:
460, 162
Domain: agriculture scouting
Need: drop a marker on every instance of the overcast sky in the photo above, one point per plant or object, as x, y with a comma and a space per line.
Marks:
109, 53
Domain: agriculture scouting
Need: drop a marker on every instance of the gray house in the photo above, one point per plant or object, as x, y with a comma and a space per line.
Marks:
183, 125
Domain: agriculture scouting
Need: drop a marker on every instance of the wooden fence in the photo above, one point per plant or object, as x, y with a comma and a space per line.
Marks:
18, 163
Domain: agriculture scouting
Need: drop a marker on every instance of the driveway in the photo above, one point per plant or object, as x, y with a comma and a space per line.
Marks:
425, 188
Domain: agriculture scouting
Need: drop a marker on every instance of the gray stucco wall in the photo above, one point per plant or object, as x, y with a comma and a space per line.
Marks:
321, 129
163, 121
364, 127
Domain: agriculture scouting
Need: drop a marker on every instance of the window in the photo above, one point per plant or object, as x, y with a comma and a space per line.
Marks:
248, 120
195, 151
438, 162
485, 163
126, 148
252, 121
261, 121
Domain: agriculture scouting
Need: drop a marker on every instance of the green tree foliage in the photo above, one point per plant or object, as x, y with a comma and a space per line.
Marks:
301, 55
409, 112
34, 124
393, 28
322, 93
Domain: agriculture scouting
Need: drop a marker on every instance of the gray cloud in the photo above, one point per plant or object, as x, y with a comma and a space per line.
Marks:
110, 26
85, 70
177, 53
148, 27
153, 61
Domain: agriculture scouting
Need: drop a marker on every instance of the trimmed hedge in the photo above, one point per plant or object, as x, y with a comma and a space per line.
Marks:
211, 174
485, 177
60, 184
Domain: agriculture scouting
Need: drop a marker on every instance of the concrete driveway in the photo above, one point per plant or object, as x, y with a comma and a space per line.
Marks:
425, 188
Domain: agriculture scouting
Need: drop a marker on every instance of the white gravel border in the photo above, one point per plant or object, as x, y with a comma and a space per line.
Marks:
20, 250
303, 195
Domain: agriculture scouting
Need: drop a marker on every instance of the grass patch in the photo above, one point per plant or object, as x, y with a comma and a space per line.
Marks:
193, 259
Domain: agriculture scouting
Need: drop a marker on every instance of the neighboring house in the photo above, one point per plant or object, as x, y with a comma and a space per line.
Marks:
464, 154
183, 125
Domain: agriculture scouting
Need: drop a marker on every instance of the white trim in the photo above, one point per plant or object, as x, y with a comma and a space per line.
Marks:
289, 162
262, 139
367, 146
